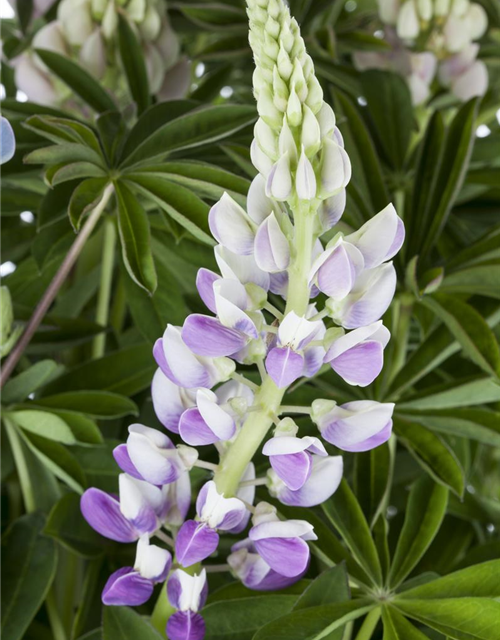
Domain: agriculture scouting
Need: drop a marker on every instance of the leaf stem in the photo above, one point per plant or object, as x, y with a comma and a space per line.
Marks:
53, 288
56, 624
108, 259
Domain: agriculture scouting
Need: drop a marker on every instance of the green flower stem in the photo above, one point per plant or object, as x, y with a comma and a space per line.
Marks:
21, 465
369, 624
163, 609
57, 282
108, 259
269, 396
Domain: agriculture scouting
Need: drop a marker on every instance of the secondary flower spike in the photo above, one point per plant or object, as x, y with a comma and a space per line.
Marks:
282, 305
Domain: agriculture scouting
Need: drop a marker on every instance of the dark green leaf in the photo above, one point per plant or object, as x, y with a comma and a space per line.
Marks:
314, 622
464, 393
372, 480
240, 619
135, 236
346, 515
99, 404
481, 279
424, 514
329, 587
134, 65
451, 171
397, 627
469, 328
389, 105
64, 153
203, 126
79, 80
21, 386
28, 568
85, 197
122, 623
178, 202
432, 454
459, 618
67, 525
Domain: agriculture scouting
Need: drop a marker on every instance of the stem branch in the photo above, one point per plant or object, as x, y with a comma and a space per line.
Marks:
102, 312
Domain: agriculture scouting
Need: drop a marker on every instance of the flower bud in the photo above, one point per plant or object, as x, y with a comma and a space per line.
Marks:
294, 109
311, 133
407, 26
305, 180
279, 181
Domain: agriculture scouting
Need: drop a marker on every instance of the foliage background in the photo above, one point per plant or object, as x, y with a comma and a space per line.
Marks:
429, 499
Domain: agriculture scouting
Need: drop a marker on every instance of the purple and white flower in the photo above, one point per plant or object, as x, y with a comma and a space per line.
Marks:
133, 586
206, 423
281, 543
358, 356
355, 426
324, 479
286, 362
188, 595
198, 539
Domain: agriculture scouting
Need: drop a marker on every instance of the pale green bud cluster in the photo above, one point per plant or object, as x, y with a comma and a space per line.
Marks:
297, 147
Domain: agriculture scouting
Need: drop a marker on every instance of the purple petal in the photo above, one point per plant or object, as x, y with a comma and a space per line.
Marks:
399, 238
272, 252
127, 587
287, 556
322, 483
293, 468
179, 363
195, 542
185, 625
284, 366
361, 364
206, 336
337, 274
194, 430
278, 283
372, 442
168, 403
122, 458
205, 285
102, 512
231, 226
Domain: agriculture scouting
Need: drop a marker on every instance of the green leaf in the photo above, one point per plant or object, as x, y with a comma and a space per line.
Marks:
203, 126
240, 619
389, 105
79, 80
329, 587
433, 455
58, 460
314, 623
481, 279
476, 424
74, 171
344, 512
67, 525
19, 388
64, 153
28, 568
355, 132
44, 424
465, 393
478, 581
469, 328
424, 514
179, 203
127, 372
134, 65
372, 480
459, 618
99, 465
152, 119
99, 404
417, 224
84, 198
451, 170
122, 623
397, 627
135, 235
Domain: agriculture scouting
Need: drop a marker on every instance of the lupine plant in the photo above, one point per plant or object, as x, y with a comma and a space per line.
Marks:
249, 336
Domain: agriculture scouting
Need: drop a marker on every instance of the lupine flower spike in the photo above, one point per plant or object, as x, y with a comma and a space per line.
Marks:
272, 246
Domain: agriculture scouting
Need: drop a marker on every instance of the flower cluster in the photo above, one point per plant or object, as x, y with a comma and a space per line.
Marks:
432, 38
86, 31
271, 247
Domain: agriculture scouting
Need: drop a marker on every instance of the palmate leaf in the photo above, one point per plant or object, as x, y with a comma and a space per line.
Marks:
25, 383
99, 404
481, 279
29, 566
126, 624
202, 126
84, 198
397, 627
372, 480
44, 424
424, 514
133, 64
